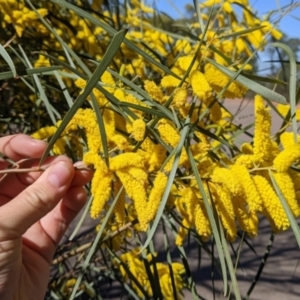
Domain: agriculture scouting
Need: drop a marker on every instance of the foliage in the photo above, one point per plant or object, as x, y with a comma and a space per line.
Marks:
144, 107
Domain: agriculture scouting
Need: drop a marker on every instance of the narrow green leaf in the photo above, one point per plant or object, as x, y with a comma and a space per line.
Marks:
64, 89
211, 218
241, 32
101, 128
108, 56
42, 93
6, 75
8, 60
230, 266
292, 84
82, 218
263, 79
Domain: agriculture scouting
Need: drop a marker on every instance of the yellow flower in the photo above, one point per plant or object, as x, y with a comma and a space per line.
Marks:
272, 204
225, 210
218, 80
101, 183
262, 143
44, 132
201, 221
169, 81
138, 129
185, 62
154, 91
286, 186
182, 232
156, 194
287, 139
269, 28
287, 157
180, 97
155, 154
135, 190
253, 198
284, 109
168, 132
227, 8
125, 160
200, 85
247, 148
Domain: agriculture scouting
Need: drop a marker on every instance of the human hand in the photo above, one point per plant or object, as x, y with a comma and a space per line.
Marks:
35, 211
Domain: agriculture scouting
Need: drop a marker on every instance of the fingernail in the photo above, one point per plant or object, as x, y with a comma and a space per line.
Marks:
37, 142
80, 164
59, 174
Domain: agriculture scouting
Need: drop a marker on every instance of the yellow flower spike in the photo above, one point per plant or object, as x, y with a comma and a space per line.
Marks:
137, 192
86, 118
182, 232
227, 178
274, 32
139, 175
200, 85
286, 186
125, 160
225, 210
180, 97
184, 62
252, 226
286, 158
159, 185
201, 221
263, 148
272, 204
44, 133
253, 198
287, 139
202, 147
218, 80
169, 81
227, 8
154, 154
154, 91
138, 129
59, 147
248, 160
246, 148
168, 132
189, 199
101, 182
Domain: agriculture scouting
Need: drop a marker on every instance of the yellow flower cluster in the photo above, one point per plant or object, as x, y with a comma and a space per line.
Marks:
137, 268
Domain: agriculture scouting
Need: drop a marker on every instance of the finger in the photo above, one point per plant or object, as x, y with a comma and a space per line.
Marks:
20, 146
36, 200
44, 236
20, 181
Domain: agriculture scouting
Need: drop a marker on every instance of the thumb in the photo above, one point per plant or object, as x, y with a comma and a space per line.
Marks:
36, 200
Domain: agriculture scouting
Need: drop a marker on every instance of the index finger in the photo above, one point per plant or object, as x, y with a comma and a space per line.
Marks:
19, 146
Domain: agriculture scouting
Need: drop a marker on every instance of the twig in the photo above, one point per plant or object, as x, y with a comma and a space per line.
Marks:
88, 245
